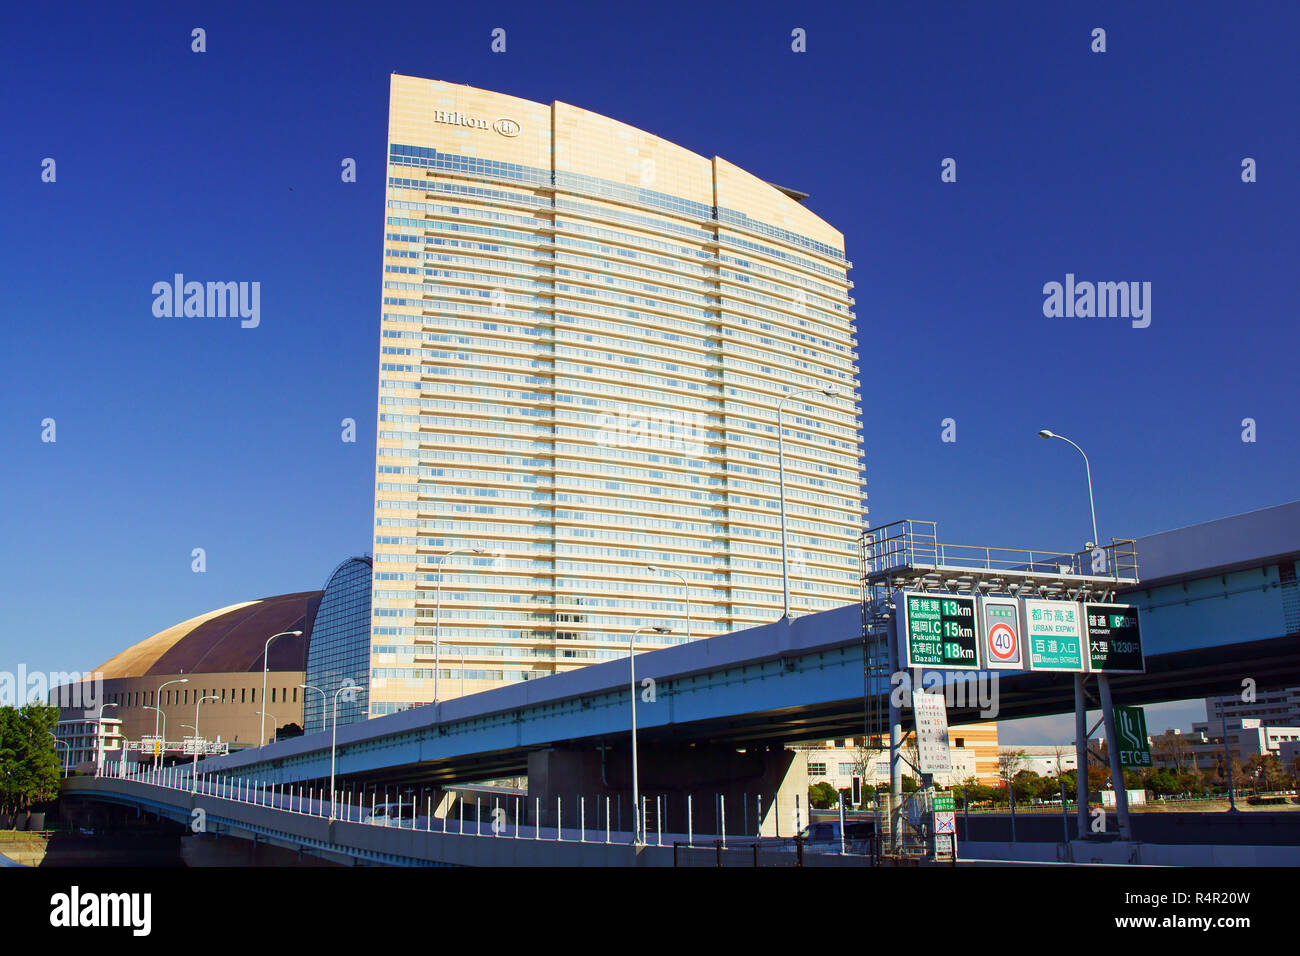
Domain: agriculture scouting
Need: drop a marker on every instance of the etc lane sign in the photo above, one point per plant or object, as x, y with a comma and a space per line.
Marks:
1131, 737
937, 630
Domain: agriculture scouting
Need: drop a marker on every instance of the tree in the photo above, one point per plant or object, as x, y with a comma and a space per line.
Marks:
866, 753
29, 764
1009, 761
1172, 750
822, 796
1265, 771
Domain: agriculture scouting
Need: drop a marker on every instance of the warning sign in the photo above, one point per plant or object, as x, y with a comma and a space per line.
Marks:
945, 821
1000, 625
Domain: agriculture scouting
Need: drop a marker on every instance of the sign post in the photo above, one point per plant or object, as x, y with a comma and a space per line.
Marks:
945, 826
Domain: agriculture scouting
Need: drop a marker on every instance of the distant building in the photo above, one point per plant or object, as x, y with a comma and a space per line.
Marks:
1280, 706
1203, 747
974, 749
1046, 760
83, 746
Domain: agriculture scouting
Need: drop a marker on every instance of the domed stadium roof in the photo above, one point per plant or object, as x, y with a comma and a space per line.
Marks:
228, 640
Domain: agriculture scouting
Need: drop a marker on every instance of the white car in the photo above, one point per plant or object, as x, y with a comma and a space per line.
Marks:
392, 815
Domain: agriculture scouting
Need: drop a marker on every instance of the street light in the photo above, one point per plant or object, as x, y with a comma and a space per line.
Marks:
323, 707
273, 721
334, 739
67, 765
194, 776
158, 699
1045, 433
158, 755
636, 789
99, 739
1103, 686
780, 456
437, 615
685, 586
266, 666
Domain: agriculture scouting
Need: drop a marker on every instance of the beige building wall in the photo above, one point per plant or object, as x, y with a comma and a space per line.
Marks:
586, 330
232, 716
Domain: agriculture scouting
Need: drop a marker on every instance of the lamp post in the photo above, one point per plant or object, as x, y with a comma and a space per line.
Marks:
636, 789
266, 667
334, 739
1045, 433
157, 756
68, 763
323, 707
1103, 687
194, 775
685, 587
780, 456
437, 615
99, 739
273, 721
158, 699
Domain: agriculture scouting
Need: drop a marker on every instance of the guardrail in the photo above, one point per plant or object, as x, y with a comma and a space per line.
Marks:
912, 543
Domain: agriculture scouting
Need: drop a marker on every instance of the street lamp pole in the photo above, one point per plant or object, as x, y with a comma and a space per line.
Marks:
636, 787
780, 456
157, 756
194, 774
1045, 433
1103, 687
274, 721
266, 667
685, 587
68, 762
158, 701
437, 615
323, 704
334, 739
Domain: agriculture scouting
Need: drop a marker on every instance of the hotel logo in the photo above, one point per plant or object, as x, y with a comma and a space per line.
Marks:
506, 127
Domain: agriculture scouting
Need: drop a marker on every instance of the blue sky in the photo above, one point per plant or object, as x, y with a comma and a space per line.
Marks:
183, 433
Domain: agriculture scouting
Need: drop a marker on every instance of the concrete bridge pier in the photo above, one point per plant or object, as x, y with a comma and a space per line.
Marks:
773, 779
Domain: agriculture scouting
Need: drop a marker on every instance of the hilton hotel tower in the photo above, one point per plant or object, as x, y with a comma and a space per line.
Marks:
585, 334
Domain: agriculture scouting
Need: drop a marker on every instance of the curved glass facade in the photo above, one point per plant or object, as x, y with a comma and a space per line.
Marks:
586, 332
340, 647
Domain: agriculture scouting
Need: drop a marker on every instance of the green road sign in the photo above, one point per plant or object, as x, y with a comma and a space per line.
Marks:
1054, 633
937, 630
1114, 639
1131, 737
944, 801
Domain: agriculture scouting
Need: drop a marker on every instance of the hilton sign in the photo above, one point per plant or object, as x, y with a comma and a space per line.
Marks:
506, 127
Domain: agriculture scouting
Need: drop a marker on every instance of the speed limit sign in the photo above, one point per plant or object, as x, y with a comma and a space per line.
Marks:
1003, 644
